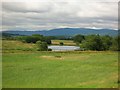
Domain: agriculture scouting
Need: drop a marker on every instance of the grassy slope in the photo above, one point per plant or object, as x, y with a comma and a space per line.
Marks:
13, 46
48, 69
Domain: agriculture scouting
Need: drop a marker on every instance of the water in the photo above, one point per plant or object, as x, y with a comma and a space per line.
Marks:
64, 48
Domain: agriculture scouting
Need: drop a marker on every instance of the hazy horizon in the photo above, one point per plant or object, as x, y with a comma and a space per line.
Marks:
64, 28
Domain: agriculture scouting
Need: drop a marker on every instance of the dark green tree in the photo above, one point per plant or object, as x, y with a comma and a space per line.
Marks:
48, 40
38, 37
31, 39
93, 42
107, 42
78, 38
115, 44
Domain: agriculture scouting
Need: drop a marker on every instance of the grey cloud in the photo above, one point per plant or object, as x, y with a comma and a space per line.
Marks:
23, 8
47, 15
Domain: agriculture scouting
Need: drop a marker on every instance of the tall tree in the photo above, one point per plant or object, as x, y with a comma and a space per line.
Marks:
78, 38
93, 42
116, 44
107, 42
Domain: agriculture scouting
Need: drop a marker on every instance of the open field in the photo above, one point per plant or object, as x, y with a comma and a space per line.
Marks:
66, 42
16, 45
13, 46
75, 69
60, 70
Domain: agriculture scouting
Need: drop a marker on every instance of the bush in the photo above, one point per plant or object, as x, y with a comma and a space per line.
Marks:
61, 43
49, 49
42, 46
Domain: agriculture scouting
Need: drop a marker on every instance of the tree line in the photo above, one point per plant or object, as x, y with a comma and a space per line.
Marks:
34, 38
97, 42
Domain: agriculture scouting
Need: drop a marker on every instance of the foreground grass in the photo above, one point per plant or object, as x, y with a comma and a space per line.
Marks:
60, 70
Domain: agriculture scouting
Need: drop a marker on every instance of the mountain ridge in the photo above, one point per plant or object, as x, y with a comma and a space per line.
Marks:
66, 32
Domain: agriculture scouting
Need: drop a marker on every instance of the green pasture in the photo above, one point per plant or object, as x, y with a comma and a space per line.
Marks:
60, 70
73, 69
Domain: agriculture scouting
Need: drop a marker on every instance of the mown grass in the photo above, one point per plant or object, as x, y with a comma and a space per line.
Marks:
66, 42
75, 69
69, 70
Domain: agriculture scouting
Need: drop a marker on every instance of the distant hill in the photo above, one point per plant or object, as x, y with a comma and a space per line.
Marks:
67, 32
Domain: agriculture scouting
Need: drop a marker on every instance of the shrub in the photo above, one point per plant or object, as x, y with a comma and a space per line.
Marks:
42, 46
49, 49
61, 43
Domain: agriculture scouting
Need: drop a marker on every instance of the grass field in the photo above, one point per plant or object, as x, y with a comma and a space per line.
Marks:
16, 45
76, 69
66, 42
13, 46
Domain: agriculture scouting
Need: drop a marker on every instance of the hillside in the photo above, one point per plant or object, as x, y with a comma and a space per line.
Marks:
67, 32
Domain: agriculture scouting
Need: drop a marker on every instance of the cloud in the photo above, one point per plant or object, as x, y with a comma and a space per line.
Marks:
48, 14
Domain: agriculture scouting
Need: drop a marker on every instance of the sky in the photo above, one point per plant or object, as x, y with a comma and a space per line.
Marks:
50, 14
